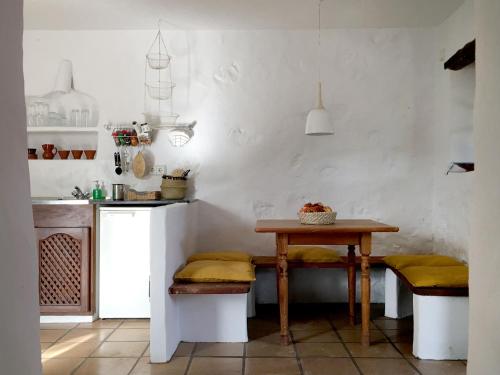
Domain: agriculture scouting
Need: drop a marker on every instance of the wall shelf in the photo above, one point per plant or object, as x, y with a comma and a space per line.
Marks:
60, 129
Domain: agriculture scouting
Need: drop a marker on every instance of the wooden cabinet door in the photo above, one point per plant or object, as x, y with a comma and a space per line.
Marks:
64, 270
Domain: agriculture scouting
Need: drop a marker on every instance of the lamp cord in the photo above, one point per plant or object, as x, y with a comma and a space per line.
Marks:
319, 40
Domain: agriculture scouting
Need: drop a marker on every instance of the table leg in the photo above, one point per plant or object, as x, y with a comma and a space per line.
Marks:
282, 269
365, 249
351, 282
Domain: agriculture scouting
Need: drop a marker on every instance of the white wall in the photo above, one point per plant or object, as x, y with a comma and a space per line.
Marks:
250, 92
19, 341
485, 254
454, 96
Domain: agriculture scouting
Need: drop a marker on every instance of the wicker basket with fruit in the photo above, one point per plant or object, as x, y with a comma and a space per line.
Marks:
317, 213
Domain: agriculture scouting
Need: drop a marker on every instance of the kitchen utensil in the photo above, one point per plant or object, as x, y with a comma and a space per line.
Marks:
63, 154
32, 154
127, 157
139, 165
89, 154
118, 192
77, 154
49, 151
118, 169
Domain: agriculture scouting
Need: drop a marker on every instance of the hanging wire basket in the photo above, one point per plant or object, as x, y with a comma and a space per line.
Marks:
160, 90
158, 60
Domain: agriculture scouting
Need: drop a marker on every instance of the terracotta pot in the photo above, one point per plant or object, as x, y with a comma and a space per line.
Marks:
89, 154
49, 151
63, 154
77, 154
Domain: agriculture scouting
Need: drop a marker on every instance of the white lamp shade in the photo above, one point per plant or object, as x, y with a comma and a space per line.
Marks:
319, 122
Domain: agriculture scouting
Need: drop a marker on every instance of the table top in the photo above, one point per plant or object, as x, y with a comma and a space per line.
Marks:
340, 226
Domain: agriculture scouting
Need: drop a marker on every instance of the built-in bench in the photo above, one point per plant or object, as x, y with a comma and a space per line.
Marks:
440, 313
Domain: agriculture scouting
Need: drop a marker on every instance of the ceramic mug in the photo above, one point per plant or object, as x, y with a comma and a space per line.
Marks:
49, 151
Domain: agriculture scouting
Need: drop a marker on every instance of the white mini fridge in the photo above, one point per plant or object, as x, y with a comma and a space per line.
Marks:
124, 269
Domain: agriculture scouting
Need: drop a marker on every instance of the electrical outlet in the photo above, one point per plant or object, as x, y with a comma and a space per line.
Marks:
158, 170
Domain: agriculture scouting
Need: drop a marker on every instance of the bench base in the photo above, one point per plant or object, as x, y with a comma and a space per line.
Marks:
213, 318
398, 298
440, 327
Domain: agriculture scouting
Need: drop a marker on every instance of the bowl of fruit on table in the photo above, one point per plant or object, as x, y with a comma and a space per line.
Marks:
317, 213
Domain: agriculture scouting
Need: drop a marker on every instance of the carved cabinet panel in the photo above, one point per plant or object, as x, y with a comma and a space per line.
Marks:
64, 269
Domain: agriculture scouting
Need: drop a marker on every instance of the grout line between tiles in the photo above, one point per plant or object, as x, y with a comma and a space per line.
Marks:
244, 357
400, 352
138, 359
344, 345
98, 346
191, 355
299, 362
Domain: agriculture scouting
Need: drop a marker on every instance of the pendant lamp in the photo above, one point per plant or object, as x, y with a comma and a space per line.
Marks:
318, 119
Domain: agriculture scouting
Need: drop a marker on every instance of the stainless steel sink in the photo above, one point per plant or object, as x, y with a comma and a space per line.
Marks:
59, 200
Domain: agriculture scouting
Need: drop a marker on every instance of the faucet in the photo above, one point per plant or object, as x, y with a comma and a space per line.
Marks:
78, 194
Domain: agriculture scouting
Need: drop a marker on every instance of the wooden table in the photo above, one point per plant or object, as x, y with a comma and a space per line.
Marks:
343, 232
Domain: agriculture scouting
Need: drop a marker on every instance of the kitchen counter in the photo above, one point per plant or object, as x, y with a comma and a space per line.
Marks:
107, 202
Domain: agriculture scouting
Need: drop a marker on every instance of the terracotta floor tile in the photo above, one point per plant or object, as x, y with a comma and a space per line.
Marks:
135, 323
310, 324
269, 346
439, 367
381, 350
406, 348
120, 349
396, 335
86, 335
184, 349
106, 366
351, 335
213, 366
213, 349
70, 350
329, 349
132, 334
271, 366
320, 335
102, 323
44, 346
401, 324
60, 366
384, 366
51, 335
177, 366
65, 326
323, 366
343, 323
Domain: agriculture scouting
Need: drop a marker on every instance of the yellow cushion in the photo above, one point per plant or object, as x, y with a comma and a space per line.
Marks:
446, 276
235, 256
401, 261
206, 271
313, 254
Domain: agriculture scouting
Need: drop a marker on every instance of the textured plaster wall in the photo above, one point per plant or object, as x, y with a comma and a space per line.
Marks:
484, 322
250, 92
454, 97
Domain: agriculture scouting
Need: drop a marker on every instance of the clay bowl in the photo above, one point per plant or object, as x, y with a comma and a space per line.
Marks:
77, 154
89, 154
63, 154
